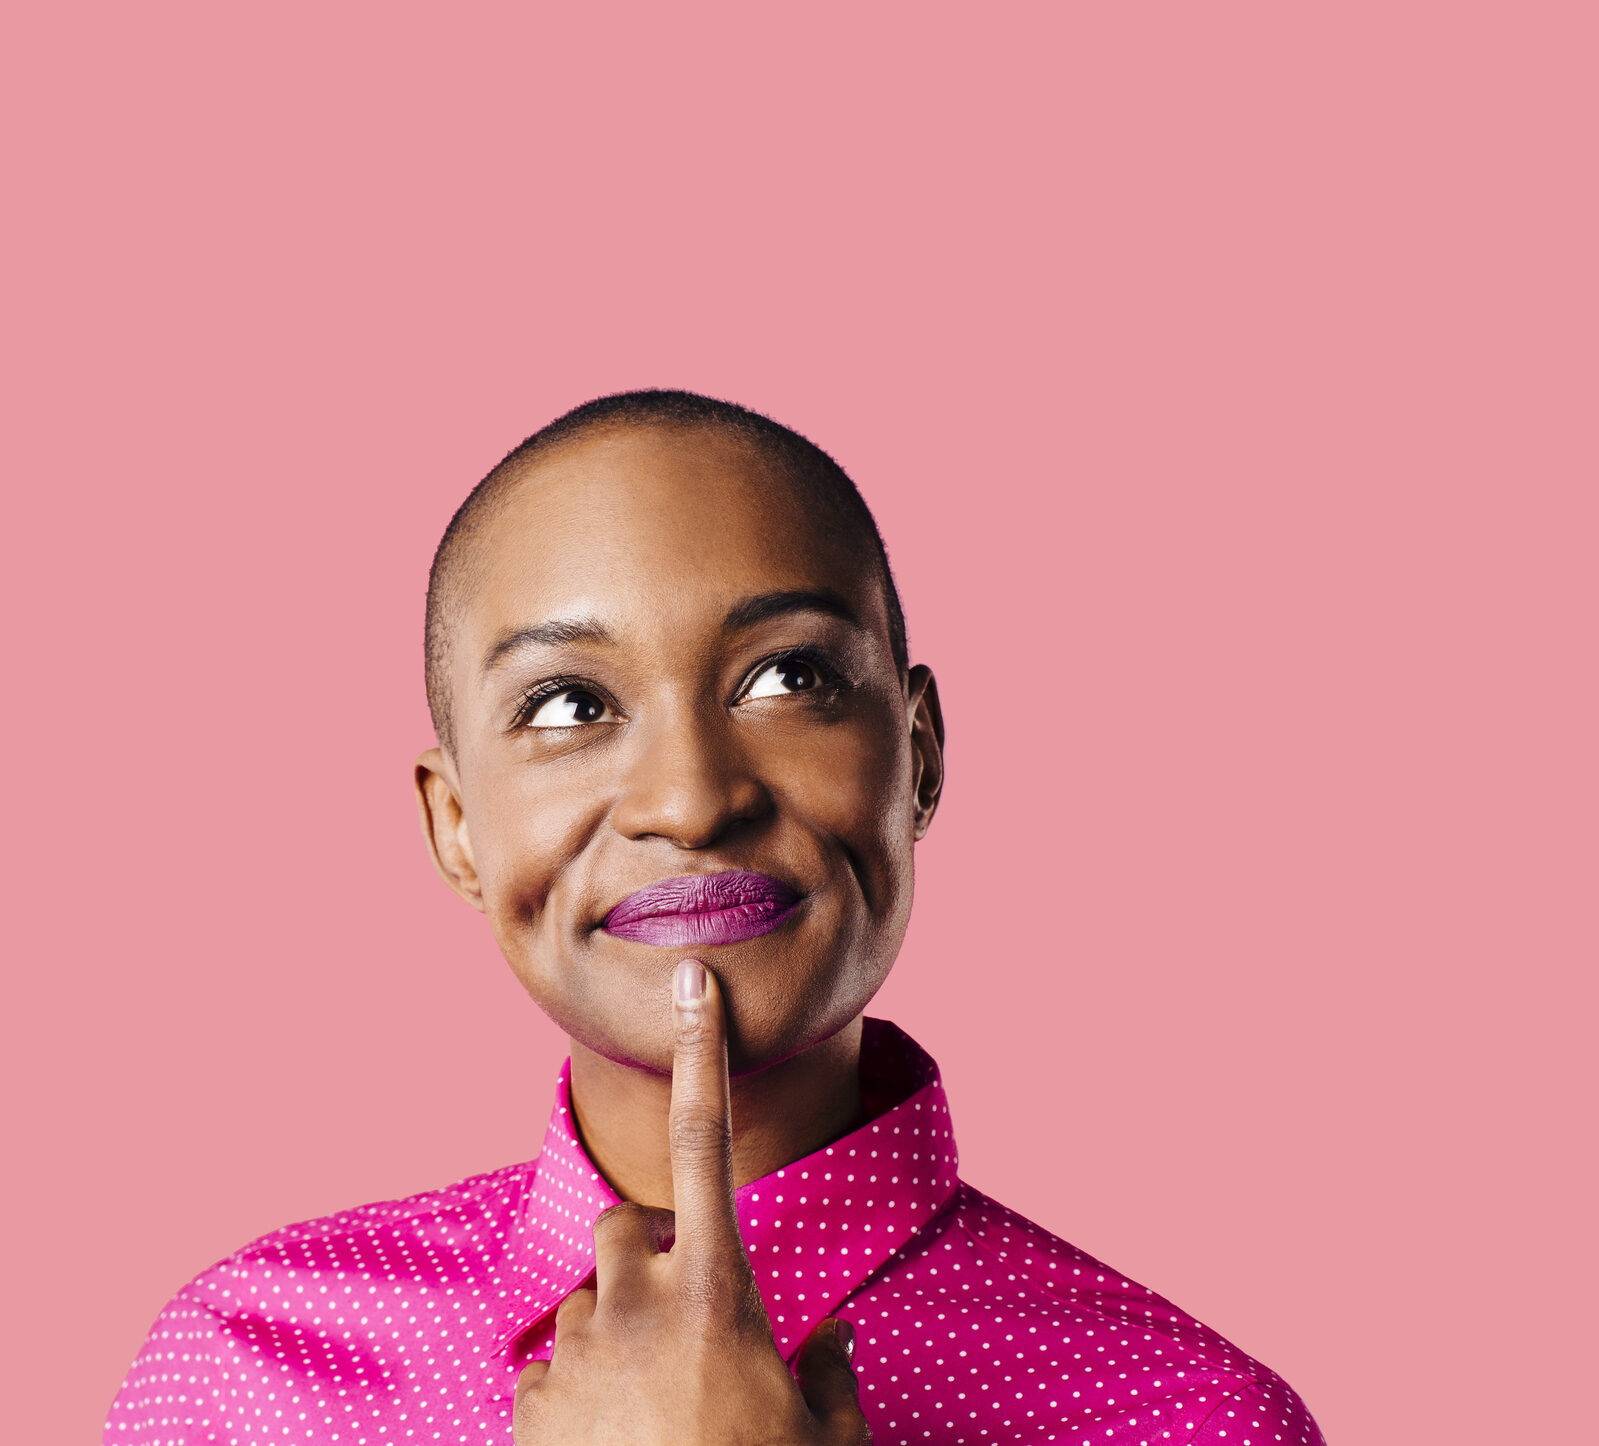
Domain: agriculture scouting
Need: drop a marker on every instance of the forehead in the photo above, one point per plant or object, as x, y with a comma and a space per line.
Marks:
647, 527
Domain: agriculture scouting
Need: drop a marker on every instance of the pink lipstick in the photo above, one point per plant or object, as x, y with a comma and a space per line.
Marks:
702, 909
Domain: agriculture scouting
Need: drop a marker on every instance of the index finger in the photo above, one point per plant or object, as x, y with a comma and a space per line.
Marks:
700, 1124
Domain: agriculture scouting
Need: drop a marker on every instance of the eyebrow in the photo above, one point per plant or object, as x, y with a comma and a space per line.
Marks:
766, 605
549, 634
743, 614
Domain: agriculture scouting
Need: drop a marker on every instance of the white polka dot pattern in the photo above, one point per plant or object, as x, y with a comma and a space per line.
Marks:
408, 1321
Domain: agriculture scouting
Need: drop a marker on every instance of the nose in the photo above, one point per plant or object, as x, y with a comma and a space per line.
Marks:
689, 782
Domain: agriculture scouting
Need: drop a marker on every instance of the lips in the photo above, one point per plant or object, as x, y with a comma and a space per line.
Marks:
703, 909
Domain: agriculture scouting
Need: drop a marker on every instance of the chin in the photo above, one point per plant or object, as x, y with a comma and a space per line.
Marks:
778, 1006
753, 1045
768, 1039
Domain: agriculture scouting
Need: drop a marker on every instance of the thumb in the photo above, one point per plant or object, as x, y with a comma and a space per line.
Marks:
826, 1374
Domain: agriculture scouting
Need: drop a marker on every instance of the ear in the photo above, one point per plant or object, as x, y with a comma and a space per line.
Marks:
927, 744
438, 802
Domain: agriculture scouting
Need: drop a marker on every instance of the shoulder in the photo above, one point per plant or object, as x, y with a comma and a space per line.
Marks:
1035, 1260
1265, 1411
292, 1299
291, 1284
457, 1230
458, 1234
1021, 1261
982, 1286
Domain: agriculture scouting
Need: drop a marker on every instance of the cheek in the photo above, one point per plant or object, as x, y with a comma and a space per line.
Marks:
858, 790
524, 838
857, 795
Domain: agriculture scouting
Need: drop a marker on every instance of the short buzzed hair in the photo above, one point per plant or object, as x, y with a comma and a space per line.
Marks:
823, 482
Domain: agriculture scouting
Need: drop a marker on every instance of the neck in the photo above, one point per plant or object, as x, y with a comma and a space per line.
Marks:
780, 1114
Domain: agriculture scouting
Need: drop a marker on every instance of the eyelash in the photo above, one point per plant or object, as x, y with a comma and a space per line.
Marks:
529, 702
830, 684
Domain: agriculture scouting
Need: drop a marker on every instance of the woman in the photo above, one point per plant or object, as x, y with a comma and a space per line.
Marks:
683, 763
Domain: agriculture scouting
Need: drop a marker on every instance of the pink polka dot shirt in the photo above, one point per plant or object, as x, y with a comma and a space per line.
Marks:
408, 1321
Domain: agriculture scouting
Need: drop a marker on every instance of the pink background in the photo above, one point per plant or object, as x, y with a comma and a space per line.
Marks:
1223, 381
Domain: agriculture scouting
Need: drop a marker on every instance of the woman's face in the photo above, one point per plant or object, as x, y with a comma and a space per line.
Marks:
679, 743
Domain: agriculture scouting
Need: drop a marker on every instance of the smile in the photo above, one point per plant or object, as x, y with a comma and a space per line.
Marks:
703, 909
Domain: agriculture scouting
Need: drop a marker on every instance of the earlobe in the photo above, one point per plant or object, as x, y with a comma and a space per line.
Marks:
926, 721
444, 830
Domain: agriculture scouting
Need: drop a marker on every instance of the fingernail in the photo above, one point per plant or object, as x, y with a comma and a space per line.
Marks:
690, 981
845, 1333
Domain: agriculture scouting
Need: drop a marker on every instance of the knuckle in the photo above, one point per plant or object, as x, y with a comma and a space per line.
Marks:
573, 1349
642, 1226
622, 1210
575, 1309
691, 1028
528, 1405
697, 1135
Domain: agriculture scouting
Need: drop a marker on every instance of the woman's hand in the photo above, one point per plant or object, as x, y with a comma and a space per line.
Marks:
672, 1345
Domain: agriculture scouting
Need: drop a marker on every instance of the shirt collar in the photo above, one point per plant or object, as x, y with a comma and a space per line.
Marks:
814, 1230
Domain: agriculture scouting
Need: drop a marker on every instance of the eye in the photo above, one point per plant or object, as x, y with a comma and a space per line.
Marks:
568, 708
786, 675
